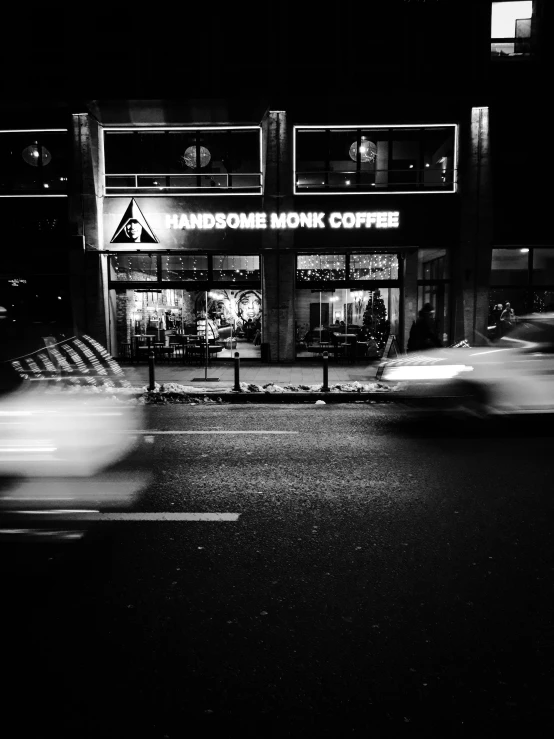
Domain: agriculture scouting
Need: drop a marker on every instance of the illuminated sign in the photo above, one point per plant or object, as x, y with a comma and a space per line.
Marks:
16, 282
260, 221
133, 227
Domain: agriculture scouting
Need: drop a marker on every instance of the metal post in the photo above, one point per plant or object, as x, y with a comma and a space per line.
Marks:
237, 372
325, 356
151, 364
206, 334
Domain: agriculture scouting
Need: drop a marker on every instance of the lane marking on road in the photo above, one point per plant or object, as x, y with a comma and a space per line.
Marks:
98, 516
153, 433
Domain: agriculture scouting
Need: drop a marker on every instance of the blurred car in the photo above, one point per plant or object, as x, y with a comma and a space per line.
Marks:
62, 434
514, 375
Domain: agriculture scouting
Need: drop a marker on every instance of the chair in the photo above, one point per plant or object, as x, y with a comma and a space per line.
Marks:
124, 352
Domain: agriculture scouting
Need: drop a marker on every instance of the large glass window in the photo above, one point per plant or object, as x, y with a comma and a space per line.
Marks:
523, 277
184, 267
183, 160
320, 267
341, 267
374, 159
543, 267
373, 267
227, 267
34, 162
174, 321
510, 267
511, 28
347, 323
134, 267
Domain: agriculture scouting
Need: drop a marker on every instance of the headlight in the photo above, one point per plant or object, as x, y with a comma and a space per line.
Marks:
424, 372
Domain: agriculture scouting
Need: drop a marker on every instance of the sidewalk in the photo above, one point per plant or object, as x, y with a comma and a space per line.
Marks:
309, 373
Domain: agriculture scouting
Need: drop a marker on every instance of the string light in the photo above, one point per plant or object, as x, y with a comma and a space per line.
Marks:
332, 267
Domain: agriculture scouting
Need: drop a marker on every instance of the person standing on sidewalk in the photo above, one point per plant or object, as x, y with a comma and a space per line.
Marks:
507, 319
423, 334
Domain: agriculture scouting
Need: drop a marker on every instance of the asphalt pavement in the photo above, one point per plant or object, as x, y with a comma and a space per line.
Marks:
382, 573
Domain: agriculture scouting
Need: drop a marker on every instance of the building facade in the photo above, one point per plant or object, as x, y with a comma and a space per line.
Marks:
291, 220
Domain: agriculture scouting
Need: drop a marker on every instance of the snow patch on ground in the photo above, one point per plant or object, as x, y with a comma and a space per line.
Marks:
175, 392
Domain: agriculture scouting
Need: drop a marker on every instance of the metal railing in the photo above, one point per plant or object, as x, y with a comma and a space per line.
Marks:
380, 179
173, 183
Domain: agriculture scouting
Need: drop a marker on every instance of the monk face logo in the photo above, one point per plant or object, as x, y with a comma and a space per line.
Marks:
133, 228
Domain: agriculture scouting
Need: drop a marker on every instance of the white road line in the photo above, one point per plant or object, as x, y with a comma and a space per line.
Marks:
154, 433
97, 516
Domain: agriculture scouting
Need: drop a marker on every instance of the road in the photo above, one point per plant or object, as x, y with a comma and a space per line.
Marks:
386, 570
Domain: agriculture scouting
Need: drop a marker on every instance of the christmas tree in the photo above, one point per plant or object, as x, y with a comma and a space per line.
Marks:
375, 318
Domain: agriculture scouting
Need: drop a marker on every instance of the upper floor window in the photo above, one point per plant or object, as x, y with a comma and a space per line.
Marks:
174, 161
33, 162
375, 159
511, 28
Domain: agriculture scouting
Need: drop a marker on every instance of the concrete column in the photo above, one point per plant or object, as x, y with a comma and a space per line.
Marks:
410, 296
88, 272
278, 265
474, 254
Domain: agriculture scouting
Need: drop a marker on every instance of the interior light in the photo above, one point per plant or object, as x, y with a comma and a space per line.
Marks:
347, 182
524, 251
189, 157
426, 165
46, 184
411, 166
32, 154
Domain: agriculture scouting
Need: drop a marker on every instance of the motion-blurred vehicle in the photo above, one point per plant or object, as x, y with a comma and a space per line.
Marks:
61, 436
514, 375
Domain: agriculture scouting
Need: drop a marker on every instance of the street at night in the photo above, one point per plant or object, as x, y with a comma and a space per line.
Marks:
385, 570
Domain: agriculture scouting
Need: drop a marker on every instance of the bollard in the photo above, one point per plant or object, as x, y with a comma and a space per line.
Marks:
237, 372
325, 372
151, 379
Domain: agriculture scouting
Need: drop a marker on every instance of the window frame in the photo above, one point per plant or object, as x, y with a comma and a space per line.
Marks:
358, 129
528, 287
168, 190
38, 193
348, 282
513, 39
209, 283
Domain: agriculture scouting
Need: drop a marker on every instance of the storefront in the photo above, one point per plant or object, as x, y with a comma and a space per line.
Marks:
165, 297
170, 264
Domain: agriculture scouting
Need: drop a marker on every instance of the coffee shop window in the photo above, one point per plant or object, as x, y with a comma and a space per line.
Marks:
134, 267
320, 267
177, 267
368, 160
183, 160
236, 268
512, 29
365, 266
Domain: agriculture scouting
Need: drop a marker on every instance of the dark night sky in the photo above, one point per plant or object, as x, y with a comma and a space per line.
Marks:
238, 50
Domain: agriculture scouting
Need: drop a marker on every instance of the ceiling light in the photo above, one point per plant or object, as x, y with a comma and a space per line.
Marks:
35, 155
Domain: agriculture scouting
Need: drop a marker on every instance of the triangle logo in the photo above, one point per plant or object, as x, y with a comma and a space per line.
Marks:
133, 228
